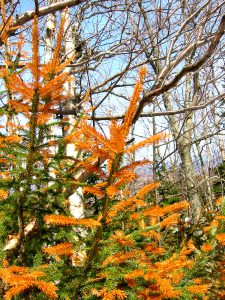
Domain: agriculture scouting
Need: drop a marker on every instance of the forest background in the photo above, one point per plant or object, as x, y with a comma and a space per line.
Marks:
86, 139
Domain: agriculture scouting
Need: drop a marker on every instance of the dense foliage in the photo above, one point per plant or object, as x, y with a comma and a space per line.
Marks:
127, 248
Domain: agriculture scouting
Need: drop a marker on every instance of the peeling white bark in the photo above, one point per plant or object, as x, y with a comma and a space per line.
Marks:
43, 11
76, 199
49, 37
76, 203
50, 33
13, 242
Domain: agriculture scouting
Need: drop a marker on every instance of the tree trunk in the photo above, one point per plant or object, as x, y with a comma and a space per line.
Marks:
76, 199
189, 177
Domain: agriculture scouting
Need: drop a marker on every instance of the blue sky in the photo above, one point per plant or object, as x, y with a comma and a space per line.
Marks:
26, 5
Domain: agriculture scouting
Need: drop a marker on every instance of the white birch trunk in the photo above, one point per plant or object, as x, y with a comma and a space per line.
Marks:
76, 199
76, 206
49, 37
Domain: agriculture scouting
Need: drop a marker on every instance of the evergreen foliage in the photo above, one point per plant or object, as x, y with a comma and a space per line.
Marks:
128, 249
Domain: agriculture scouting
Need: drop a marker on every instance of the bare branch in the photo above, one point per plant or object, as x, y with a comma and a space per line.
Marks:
43, 11
149, 114
187, 69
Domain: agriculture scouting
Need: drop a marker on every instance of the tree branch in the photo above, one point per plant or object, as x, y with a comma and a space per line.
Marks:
43, 11
156, 91
146, 115
12, 243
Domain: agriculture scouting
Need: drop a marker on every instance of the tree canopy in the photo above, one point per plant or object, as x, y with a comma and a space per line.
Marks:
86, 86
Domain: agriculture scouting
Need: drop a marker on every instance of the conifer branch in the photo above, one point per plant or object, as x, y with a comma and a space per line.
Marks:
42, 11
93, 250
